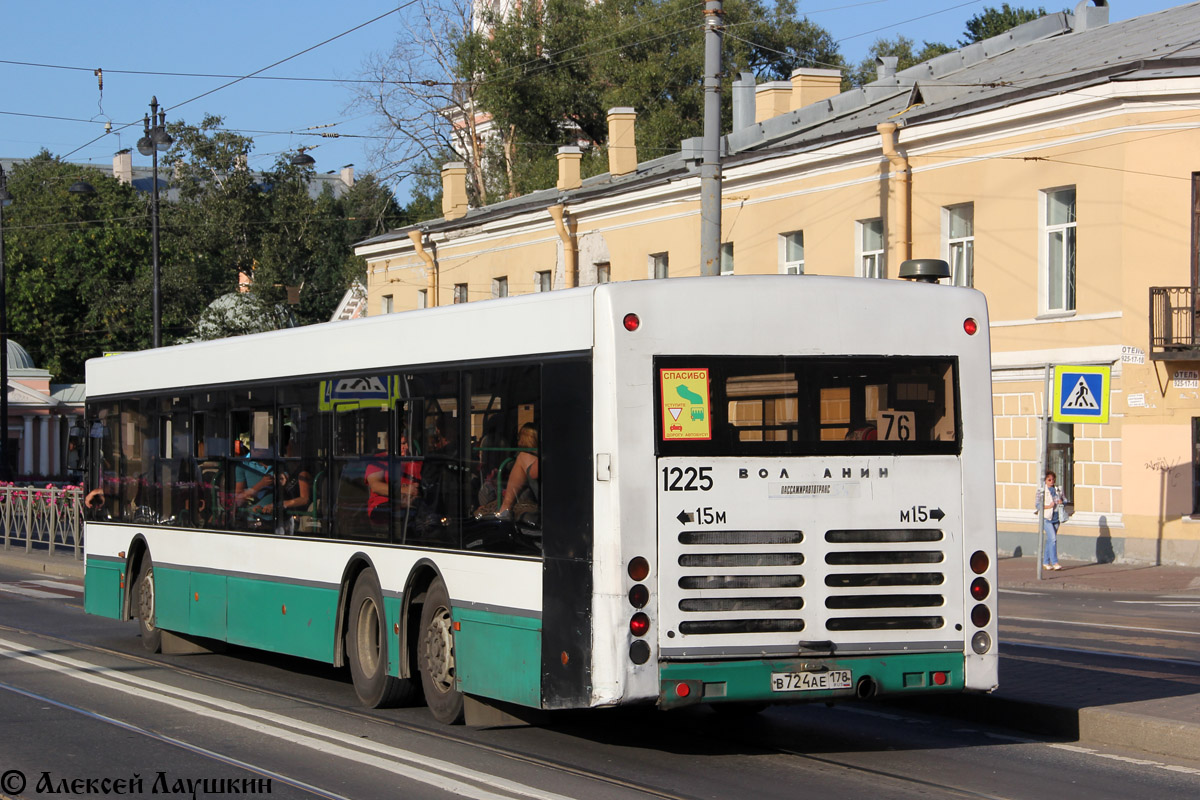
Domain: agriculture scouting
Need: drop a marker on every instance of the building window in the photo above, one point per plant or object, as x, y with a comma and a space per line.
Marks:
659, 266
500, 287
1060, 457
959, 234
541, 281
1058, 249
870, 249
603, 273
727, 258
422, 298
460, 293
791, 253
386, 305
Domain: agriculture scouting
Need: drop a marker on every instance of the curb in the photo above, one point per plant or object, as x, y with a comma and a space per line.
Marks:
62, 563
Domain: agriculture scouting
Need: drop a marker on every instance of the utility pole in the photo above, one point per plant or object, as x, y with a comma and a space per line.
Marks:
710, 167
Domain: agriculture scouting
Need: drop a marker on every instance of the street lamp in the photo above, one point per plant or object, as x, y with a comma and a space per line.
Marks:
5, 200
155, 139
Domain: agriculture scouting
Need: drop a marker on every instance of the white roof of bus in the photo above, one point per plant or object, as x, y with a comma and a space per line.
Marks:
754, 314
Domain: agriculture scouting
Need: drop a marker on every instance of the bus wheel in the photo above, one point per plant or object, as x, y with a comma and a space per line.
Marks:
144, 600
436, 656
366, 645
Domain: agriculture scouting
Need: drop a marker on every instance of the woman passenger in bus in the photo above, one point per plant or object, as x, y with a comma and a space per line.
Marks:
254, 485
524, 486
377, 478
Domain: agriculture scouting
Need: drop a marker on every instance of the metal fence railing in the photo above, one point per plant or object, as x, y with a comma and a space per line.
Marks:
49, 517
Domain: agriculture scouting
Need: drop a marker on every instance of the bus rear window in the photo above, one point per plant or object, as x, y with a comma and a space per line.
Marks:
725, 406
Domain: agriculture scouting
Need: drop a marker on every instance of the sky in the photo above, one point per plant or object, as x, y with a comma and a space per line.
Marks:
59, 105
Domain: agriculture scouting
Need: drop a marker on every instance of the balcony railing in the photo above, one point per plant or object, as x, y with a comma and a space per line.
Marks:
1173, 333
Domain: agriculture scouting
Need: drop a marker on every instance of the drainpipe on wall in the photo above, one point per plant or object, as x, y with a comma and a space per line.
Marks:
430, 265
558, 214
899, 222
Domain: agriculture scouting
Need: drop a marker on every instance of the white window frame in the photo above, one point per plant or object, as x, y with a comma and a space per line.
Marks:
959, 251
460, 293
871, 263
543, 281
793, 267
500, 286
658, 265
726, 267
387, 304
1070, 254
422, 298
603, 272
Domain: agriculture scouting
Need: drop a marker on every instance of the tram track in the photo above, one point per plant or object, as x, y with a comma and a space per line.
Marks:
450, 736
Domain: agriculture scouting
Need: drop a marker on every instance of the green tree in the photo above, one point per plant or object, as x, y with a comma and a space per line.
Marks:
901, 48
547, 73
995, 21
72, 262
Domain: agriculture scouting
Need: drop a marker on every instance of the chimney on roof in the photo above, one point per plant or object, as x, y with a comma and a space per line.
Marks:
814, 85
1088, 16
348, 175
772, 99
885, 67
622, 146
123, 166
743, 101
454, 190
568, 157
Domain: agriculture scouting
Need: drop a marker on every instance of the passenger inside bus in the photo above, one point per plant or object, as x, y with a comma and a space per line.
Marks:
522, 490
254, 483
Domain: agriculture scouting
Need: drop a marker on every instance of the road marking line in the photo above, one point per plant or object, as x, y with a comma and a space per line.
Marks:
1109, 653
1099, 625
1088, 751
413, 765
10, 588
70, 587
162, 737
1018, 591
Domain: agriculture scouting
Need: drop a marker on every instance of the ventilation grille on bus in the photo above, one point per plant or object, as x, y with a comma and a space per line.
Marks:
876, 579
880, 561
749, 580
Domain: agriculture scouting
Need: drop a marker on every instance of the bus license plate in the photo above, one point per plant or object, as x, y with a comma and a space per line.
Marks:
811, 681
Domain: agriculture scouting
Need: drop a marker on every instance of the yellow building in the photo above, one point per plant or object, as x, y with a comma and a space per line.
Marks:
1049, 165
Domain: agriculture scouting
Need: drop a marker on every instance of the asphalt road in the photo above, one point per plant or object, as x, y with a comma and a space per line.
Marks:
80, 699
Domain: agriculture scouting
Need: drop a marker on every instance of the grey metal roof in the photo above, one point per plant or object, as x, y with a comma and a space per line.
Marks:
1041, 58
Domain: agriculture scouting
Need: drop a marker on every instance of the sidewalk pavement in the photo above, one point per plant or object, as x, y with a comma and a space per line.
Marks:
1157, 714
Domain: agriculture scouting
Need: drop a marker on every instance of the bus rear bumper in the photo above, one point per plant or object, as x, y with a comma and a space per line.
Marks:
808, 679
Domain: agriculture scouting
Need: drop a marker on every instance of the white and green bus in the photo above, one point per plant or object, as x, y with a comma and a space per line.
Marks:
738, 491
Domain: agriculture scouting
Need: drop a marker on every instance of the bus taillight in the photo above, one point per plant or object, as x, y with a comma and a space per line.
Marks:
639, 624
639, 595
981, 642
979, 562
981, 615
940, 678
980, 589
631, 322
970, 326
639, 568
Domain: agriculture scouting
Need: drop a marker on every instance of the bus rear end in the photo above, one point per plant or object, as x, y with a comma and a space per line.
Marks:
825, 519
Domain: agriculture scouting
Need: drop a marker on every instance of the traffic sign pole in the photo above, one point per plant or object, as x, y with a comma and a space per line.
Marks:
1043, 460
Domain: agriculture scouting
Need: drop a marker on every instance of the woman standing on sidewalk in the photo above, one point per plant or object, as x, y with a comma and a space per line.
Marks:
1052, 500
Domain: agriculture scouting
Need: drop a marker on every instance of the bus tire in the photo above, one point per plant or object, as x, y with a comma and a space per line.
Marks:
366, 647
435, 656
145, 603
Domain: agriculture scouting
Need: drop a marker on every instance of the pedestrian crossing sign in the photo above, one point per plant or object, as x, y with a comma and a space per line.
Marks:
1081, 394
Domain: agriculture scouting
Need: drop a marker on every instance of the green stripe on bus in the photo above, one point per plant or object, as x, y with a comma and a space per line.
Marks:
102, 592
732, 681
269, 615
499, 656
